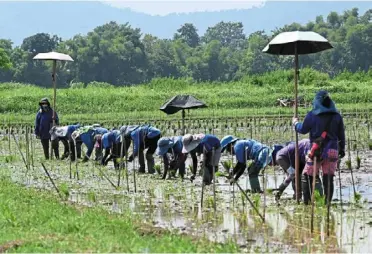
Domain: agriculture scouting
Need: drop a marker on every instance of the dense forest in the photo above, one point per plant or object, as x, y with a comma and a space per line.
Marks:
121, 55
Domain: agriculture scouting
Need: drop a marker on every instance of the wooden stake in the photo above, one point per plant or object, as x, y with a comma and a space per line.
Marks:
19, 149
51, 180
313, 194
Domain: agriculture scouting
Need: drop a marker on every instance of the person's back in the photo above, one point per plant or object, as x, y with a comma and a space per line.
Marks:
289, 151
323, 117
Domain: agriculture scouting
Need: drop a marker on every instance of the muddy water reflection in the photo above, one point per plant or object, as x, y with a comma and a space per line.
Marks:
176, 205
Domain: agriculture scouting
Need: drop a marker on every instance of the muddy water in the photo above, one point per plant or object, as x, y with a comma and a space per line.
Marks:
176, 205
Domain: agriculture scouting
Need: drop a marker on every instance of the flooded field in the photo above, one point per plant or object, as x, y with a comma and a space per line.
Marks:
176, 205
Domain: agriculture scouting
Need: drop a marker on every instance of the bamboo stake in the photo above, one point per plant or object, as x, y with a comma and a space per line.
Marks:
121, 156
339, 180
351, 168
313, 194
246, 196
203, 185
51, 180
32, 150
108, 179
328, 201
214, 181
76, 160
19, 149
9, 133
126, 163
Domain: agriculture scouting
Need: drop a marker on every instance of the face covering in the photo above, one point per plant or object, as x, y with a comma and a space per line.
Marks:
44, 107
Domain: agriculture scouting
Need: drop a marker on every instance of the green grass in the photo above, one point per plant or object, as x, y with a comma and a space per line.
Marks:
36, 221
256, 95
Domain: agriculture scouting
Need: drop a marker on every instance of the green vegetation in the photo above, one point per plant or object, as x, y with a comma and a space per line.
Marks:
35, 221
255, 95
121, 55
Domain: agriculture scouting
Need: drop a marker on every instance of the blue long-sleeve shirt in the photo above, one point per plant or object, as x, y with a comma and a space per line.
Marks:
44, 122
208, 143
110, 138
247, 149
71, 129
316, 124
88, 138
139, 134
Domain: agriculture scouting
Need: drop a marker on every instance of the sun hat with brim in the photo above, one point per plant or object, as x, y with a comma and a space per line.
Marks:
57, 132
226, 141
163, 146
126, 130
190, 142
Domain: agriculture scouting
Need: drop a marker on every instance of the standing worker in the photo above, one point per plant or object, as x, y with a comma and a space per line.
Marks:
203, 144
144, 137
43, 124
327, 136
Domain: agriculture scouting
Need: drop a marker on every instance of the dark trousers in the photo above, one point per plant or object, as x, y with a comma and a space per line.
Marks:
116, 152
72, 148
174, 164
150, 145
45, 144
307, 183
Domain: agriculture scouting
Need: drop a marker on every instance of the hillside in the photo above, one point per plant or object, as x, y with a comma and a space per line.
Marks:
21, 19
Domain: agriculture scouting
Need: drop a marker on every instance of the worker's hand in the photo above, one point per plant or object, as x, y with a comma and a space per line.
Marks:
130, 159
341, 154
278, 194
192, 178
294, 121
86, 158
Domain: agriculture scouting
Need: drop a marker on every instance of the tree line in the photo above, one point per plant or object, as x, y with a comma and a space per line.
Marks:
121, 55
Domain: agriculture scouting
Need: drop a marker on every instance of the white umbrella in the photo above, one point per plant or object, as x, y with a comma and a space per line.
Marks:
53, 56
297, 43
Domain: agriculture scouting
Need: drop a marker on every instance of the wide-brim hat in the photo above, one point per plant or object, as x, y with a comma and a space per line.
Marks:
190, 142
56, 132
164, 144
226, 141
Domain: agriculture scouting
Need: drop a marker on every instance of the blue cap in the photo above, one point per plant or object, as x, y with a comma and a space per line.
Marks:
163, 145
226, 141
276, 149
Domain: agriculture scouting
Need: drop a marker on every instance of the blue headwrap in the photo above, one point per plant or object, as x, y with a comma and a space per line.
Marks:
318, 107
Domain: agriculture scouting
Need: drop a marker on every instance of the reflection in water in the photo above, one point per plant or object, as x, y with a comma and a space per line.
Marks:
176, 205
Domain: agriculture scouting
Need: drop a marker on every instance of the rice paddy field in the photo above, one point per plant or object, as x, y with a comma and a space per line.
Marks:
175, 206
64, 206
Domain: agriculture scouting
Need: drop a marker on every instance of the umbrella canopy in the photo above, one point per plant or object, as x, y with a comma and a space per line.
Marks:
53, 56
307, 42
180, 102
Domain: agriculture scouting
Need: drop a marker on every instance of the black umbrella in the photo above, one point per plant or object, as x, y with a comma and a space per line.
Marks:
297, 43
181, 102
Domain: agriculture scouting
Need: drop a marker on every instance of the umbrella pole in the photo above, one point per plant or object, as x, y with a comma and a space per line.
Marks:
54, 101
183, 122
297, 166
55, 90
